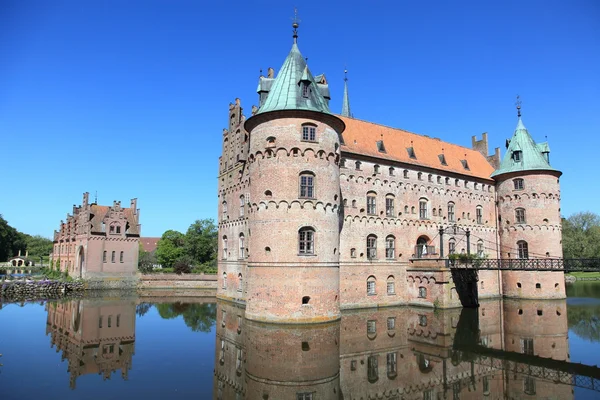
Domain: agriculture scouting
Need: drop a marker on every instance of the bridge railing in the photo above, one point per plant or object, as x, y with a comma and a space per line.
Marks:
530, 264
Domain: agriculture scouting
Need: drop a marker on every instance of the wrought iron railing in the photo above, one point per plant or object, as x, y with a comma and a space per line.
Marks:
531, 264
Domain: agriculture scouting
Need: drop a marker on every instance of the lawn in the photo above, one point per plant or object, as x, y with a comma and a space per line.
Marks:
585, 274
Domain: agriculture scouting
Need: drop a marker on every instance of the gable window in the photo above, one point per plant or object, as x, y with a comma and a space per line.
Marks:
519, 184
423, 209
479, 214
451, 212
371, 203
118, 228
371, 247
371, 286
523, 249
307, 182
390, 247
517, 155
520, 215
389, 205
306, 241
111, 229
309, 133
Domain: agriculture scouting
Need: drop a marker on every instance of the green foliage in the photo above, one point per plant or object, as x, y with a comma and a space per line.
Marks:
11, 241
182, 267
170, 248
199, 317
201, 241
465, 258
581, 235
38, 246
146, 261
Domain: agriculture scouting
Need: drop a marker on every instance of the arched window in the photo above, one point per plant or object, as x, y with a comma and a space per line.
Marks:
422, 292
519, 184
434, 210
479, 214
391, 286
376, 169
343, 163
353, 203
451, 216
406, 173
405, 209
371, 203
242, 204
389, 205
451, 246
480, 248
439, 180
104, 256
520, 215
224, 280
372, 369
306, 241
390, 247
240, 283
429, 178
309, 132
391, 171
423, 214
357, 165
307, 185
113, 256
523, 249
392, 370
224, 210
242, 253
420, 176
345, 202
224, 248
371, 247
447, 181
121, 256
457, 182
371, 289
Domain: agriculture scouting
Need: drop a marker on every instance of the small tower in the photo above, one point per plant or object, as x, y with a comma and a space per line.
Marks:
529, 222
346, 112
293, 223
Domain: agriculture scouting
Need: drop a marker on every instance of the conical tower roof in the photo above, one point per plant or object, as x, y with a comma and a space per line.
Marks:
346, 112
287, 92
523, 154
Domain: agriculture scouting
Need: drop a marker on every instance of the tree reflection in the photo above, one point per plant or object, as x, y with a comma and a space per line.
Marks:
584, 321
142, 309
198, 317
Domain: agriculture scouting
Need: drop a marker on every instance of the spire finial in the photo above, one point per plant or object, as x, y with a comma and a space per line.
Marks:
518, 104
346, 112
295, 25
96, 197
345, 74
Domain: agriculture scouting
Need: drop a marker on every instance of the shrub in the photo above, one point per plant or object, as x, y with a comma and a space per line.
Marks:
182, 267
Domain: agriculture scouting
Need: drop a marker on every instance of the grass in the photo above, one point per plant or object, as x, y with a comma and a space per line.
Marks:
585, 274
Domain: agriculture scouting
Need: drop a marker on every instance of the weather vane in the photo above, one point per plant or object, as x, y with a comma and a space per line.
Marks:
295, 24
518, 104
345, 74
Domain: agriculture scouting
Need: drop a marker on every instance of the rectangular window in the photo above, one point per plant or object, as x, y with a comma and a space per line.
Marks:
371, 327
451, 212
479, 215
390, 248
371, 247
389, 207
308, 133
519, 184
110, 321
304, 396
527, 346
371, 207
391, 289
520, 215
353, 252
529, 385
121, 257
422, 292
391, 364
517, 156
371, 288
118, 320
451, 247
104, 256
118, 229
304, 90
423, 209
111, 229
113, 256
307, 186
100, 322
391, 323
306, 241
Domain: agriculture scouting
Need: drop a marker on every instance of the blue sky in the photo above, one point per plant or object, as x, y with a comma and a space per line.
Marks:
129, 99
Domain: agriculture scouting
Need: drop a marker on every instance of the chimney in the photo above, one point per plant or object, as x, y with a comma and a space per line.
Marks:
270, 73
86, 196
134, 204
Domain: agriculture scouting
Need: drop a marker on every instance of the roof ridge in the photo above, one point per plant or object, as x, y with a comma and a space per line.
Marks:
406, 131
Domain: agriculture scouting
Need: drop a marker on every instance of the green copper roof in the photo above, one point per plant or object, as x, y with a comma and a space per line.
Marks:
286, 91
346, 101
523, 154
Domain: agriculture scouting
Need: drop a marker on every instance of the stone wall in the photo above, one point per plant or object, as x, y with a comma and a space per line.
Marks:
174, 281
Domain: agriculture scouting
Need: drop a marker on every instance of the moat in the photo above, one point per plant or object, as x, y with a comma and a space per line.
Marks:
200, 348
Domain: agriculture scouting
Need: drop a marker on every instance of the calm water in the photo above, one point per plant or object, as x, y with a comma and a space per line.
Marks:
202, 349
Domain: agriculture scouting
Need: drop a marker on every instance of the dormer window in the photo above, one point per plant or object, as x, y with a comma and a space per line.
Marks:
517, 155
465, 164
304, 86
380, 146
442, 159
411, 153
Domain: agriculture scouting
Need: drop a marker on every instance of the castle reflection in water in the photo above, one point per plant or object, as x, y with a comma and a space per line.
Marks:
388, 353
393, 353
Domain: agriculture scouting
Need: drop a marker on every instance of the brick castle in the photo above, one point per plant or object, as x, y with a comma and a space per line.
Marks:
320, 212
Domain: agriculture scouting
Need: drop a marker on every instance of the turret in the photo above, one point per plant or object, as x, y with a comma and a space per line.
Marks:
529, 222
294, 222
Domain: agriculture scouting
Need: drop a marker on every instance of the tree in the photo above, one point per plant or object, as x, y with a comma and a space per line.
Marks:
146, 260
581, 235
170, 248
11, 241
201, 241
38, 246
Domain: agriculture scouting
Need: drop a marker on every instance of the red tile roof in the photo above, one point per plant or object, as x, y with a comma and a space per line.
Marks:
361, 137
149, 243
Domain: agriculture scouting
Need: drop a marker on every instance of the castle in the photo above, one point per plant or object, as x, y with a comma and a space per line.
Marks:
321, 212
98, 242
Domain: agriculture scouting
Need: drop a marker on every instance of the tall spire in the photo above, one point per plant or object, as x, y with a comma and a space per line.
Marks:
295, 25
346, 112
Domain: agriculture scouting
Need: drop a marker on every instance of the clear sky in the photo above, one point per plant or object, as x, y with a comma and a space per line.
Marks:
129, 98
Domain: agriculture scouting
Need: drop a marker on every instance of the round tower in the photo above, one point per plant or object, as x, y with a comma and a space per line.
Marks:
529, 224
294, 223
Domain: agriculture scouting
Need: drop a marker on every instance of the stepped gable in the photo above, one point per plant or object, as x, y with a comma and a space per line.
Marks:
361, 137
